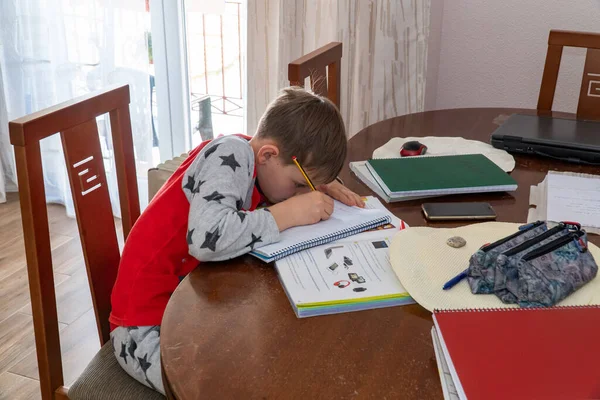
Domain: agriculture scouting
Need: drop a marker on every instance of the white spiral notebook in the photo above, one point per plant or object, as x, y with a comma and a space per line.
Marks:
345, 221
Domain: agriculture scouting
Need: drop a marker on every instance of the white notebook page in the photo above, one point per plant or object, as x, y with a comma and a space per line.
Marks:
574, 198
343, 217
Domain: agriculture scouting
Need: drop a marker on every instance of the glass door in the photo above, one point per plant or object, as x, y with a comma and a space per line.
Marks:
198, 52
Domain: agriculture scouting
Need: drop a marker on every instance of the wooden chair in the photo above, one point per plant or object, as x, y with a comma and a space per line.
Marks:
324, 69
76, 122
589, 95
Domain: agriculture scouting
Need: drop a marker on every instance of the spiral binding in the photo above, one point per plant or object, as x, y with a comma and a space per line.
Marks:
486, 309
330, 238
423, 156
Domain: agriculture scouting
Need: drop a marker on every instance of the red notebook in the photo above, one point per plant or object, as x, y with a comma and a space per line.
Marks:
551, 353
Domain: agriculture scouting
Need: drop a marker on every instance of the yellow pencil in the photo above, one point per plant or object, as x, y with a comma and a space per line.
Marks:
310, 184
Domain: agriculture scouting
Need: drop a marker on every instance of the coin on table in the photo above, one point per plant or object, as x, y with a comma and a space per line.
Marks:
456, 241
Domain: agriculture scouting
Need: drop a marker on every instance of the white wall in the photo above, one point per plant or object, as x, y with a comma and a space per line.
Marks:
492, 53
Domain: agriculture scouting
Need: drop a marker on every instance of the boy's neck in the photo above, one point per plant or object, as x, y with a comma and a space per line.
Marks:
255, 144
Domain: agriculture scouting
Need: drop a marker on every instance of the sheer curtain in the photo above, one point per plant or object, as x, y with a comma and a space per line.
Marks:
384, 56
54, 50
8, 178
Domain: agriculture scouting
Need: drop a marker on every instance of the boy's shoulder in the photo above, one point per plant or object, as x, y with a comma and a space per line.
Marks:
232, 143
230, 151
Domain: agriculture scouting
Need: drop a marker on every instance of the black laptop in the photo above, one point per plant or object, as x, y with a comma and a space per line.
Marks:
565, 139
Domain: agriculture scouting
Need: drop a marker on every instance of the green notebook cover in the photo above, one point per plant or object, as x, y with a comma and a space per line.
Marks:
440, 173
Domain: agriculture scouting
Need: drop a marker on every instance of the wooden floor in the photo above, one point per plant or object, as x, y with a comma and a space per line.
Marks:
78, 334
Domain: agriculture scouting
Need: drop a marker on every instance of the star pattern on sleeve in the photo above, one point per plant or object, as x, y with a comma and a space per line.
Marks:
190, 184
242, 215
239, 203
255, 239
230, 161
214, 196
197, 188
210, 240
189, 236
208, 152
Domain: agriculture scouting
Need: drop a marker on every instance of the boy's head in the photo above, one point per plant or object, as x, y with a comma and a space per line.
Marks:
302, 124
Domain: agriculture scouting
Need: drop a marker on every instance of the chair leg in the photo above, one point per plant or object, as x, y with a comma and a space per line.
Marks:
61, 393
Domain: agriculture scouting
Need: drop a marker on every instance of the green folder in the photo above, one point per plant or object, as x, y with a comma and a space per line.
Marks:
439, 175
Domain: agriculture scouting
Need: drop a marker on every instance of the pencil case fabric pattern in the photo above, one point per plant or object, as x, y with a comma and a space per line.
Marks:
506, 276
550, 273
534, 267
482, 264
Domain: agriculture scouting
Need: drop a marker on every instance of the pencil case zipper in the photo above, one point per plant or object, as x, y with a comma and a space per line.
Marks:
531, 242
556, 244
522, 230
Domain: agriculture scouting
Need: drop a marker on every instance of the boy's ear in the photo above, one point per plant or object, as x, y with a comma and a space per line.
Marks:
266, 152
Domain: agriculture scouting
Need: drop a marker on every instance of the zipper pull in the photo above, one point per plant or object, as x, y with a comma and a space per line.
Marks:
572, 224
580, 243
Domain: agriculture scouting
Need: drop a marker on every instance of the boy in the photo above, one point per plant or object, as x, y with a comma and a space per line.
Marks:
208, 210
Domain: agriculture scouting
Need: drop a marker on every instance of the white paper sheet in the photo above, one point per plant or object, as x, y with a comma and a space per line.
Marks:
574, 198
343, 217
343, 271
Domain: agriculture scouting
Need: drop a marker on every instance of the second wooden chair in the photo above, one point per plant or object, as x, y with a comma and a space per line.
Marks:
589, 94
323, 68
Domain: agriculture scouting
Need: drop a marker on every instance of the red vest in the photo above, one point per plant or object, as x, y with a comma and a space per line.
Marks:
155, 256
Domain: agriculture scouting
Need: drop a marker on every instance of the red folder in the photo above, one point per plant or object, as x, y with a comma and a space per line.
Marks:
541, 353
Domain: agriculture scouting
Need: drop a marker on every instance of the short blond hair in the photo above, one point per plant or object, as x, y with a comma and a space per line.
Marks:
308, 126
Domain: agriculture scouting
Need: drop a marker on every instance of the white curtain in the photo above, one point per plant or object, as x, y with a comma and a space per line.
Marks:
8, 178
54, 50
384, 53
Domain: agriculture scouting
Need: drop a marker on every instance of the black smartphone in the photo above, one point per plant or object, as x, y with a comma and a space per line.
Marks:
456, 211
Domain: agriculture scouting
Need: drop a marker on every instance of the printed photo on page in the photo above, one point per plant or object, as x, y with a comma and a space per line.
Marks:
343, 271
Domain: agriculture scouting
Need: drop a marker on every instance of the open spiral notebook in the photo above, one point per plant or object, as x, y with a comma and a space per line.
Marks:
345, 221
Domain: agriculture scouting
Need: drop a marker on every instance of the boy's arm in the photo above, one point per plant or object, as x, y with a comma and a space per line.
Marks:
217, 184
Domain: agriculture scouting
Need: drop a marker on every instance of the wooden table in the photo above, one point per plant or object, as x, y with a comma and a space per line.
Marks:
229, 331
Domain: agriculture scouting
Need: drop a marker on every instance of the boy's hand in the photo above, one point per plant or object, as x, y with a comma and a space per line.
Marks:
342, 193
304, 209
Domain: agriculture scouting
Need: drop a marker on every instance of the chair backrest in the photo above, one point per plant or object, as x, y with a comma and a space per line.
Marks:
76, 122
589, 95
323, 67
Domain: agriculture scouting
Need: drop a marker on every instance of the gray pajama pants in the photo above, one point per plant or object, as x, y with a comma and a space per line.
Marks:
137, 349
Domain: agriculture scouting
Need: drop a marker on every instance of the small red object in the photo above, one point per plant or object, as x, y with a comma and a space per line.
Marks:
342, 284
413, 148
577, 224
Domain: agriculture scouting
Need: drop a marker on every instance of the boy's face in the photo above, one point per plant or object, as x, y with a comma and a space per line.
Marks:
279, 180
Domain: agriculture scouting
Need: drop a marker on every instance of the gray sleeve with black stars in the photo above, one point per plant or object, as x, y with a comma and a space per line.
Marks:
219, 186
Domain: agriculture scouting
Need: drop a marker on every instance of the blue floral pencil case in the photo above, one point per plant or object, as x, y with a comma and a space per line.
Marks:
535, 267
